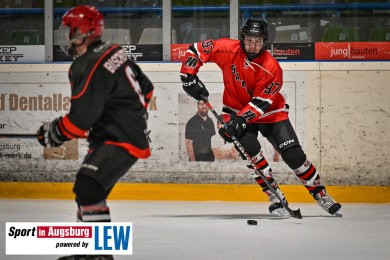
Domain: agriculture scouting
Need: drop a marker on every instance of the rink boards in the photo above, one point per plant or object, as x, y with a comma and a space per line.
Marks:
340, 111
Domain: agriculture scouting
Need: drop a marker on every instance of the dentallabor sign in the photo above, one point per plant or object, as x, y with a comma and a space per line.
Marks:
34, 238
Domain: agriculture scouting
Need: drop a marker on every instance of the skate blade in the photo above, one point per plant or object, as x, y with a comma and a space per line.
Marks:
338, 214
282, 212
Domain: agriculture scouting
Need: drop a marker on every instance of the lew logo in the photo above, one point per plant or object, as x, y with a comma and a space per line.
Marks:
286, 143
112, 238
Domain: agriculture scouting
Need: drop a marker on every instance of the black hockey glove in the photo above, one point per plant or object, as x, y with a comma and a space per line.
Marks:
49, 135
193, 86
236, 127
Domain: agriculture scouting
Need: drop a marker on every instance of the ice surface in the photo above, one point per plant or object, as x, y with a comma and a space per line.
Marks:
219, 230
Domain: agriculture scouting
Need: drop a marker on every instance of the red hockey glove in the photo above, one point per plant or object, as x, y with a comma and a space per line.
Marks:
49, 135
236, 127
193, 86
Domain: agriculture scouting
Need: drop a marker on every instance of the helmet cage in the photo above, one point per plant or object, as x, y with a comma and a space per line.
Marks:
254, 27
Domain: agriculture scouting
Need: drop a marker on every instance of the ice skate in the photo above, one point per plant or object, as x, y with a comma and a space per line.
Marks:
87, 257
276, 207
326, 202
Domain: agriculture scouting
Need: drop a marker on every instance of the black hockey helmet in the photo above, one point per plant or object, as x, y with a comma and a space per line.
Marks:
254, 27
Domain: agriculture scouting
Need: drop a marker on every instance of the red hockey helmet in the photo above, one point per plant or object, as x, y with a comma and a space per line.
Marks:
85, 18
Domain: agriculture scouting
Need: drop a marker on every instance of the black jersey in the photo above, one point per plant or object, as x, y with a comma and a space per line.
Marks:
110, 96
200, 132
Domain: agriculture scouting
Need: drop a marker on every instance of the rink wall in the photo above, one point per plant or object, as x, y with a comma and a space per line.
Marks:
340, 111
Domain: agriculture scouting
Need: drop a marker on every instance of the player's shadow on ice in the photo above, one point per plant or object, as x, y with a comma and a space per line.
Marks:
320, 216
231, 216
246, 216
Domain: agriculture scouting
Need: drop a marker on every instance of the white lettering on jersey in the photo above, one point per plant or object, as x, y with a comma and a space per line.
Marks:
134, 83
115, 61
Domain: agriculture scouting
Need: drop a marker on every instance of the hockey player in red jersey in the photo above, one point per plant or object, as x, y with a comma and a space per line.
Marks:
252, 100
109, 102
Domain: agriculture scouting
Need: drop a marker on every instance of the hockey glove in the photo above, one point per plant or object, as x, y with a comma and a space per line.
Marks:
236, 127
193, 86
49, 135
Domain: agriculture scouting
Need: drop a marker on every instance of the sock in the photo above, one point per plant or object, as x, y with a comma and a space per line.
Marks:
309, 176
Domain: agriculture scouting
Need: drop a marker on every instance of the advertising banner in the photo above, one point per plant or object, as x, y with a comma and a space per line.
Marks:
292, 51
177, 51
281, 51
28, 99
21, 102
143, 52
22, 53
23, 108
352, 51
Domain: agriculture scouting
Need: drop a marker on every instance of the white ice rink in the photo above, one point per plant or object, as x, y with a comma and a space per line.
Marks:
218, 230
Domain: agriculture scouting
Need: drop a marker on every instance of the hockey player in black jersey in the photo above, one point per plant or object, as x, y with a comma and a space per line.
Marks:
109, 102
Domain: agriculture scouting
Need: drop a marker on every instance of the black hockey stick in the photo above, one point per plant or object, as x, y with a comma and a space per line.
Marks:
293, 213
18, 135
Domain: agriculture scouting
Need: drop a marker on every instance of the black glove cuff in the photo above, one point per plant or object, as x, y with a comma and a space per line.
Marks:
55, 132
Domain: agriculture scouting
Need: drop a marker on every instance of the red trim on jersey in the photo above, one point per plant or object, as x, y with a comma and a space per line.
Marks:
188, 67
226, 117
149, 95
133, 150
70, 130
93, 71
147, 99
64, 132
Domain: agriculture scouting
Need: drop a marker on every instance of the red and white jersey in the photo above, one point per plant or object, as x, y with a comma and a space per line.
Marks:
252, 88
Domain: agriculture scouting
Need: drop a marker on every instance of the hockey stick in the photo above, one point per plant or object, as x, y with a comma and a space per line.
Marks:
18, 135
293, 213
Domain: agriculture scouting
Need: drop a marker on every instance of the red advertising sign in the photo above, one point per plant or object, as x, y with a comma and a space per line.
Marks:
352, 51
177, 51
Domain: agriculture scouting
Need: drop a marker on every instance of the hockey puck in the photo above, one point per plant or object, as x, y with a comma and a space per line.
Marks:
251, 222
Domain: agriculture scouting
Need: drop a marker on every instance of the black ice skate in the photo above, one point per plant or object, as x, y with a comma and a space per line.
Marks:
87, 257
326, 202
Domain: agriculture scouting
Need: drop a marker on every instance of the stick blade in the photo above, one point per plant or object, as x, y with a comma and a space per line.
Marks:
296, 214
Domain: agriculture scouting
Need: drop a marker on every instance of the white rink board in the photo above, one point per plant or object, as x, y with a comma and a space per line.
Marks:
309, 92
